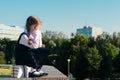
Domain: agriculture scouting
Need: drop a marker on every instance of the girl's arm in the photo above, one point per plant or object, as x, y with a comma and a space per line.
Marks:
24, 41
37, 42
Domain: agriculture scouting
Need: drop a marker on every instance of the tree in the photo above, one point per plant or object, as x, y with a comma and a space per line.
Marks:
63, 55
9, 51
110, 52
53, 35
2, 58
94, 59
78, 50
53, 39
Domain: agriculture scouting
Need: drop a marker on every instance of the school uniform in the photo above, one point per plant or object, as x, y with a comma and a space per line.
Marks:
31, 55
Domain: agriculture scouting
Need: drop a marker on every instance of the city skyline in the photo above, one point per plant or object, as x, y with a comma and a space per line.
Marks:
63, 15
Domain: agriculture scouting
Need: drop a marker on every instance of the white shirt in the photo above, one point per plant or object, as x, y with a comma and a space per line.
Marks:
36, 36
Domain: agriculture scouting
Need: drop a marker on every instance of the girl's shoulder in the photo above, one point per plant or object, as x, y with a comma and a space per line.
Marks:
24, 36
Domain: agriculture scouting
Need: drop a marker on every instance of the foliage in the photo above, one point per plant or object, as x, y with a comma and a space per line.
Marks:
2, 58
94, 58
7, 47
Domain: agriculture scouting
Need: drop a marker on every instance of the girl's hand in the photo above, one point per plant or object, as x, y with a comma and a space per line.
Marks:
38, 26
30, 41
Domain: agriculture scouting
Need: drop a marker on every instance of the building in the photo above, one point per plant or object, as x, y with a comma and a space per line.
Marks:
90, 31
11, 32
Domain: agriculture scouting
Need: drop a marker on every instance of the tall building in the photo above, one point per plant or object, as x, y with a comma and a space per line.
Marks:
11, 32
90, 31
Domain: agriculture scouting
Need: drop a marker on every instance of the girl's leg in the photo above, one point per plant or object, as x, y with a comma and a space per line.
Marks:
40, 56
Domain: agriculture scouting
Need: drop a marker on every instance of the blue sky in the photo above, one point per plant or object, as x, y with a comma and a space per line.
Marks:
63, 15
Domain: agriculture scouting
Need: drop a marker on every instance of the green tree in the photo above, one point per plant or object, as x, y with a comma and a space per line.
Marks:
94, 59
78, 50
53, 35
53, 39
63, 55
9, 51
7, 46
110, 52
2, 58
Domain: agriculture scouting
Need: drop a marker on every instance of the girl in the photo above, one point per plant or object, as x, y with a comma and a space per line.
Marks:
28, 51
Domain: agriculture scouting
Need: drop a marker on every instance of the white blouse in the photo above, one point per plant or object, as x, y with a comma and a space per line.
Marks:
36, 36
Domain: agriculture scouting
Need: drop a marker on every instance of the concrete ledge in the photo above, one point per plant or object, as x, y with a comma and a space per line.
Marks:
33, 79
53, 74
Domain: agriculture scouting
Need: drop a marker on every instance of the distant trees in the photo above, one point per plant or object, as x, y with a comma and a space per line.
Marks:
90, 57
9, 52
7, 49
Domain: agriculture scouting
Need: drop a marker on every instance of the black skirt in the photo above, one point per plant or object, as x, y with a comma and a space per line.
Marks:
30, 57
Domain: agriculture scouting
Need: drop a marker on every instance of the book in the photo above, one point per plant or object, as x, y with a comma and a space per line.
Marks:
5, 70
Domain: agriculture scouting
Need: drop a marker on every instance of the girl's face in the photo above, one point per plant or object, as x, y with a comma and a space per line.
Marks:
32, 28
35, 27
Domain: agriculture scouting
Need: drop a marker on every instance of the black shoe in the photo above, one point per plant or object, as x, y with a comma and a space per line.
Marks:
32, 74
45, 74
